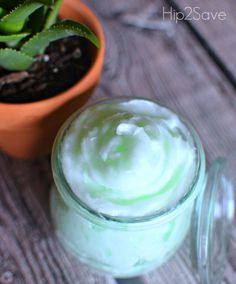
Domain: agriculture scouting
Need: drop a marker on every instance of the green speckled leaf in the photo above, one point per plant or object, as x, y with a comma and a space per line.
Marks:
14, 21
12, 38
52, 14
14, 60
47, 2
60, 30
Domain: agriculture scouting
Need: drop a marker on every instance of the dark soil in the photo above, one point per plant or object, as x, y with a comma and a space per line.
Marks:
64, 63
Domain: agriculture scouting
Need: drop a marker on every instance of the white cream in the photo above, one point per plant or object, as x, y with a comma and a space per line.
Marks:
128, 158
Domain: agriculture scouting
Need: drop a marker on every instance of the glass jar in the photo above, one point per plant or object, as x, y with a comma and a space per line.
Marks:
127, 247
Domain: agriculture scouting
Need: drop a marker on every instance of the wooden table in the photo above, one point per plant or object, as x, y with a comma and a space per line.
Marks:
189, 66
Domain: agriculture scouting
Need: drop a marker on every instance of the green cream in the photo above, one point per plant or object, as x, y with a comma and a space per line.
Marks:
128, 158
125, 160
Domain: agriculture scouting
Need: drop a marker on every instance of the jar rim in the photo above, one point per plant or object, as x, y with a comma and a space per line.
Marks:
59, 176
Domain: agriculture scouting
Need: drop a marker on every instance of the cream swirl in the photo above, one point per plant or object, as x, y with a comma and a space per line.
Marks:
128, 158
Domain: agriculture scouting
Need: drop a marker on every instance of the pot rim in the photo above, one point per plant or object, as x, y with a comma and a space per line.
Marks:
87, 81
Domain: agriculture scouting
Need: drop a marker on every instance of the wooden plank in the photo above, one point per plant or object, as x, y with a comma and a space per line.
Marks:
28, 249
217, 32
165, 64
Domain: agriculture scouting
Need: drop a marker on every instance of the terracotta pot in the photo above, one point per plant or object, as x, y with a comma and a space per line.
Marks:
28, 130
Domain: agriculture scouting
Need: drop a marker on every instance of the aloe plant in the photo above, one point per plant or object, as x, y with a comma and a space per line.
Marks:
28, 26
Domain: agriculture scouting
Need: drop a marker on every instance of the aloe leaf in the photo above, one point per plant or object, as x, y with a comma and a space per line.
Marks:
52, 14
60, 30
10, 4
47, 2
11, 38
14, 60
15, 20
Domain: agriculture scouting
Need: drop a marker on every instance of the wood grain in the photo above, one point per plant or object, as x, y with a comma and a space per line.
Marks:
165, 63
217, 35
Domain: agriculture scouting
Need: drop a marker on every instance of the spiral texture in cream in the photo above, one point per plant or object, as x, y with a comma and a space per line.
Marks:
128, 158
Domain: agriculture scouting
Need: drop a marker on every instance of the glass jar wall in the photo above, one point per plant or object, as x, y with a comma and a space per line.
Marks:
121, 246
